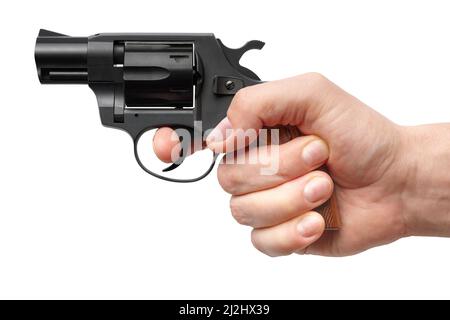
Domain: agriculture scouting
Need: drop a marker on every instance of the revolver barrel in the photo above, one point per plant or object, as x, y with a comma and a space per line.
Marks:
61, 59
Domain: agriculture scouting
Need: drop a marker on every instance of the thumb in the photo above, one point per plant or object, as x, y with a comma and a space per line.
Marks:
296, 101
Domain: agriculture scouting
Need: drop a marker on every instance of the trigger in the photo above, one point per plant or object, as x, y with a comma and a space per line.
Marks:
172, 166
177, 163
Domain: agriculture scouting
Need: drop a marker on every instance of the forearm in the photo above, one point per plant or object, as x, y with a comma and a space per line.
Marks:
426, 196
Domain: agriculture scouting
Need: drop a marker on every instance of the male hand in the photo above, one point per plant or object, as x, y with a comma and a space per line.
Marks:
381, 181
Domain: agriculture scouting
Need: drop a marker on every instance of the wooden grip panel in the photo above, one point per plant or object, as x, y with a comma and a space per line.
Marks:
330, 212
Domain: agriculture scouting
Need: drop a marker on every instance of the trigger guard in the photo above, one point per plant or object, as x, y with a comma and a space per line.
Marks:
177, 164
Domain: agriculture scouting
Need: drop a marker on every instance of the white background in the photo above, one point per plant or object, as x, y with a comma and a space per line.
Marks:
78, 217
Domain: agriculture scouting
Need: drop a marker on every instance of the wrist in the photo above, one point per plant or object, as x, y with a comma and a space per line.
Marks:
426, 179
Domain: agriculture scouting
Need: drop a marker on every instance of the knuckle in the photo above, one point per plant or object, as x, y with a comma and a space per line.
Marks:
284, 167
227, 179
240, 101
317, 79
238, 214
258, 245
254, 240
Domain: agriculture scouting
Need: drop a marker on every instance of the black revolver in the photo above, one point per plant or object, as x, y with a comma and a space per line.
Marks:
145, 81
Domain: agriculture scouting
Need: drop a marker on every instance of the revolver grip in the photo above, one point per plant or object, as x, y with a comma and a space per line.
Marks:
330, 212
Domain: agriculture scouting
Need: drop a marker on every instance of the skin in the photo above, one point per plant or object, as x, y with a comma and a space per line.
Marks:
390, 181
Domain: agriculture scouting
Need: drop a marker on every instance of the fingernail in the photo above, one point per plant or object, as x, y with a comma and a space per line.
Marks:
316, 189
219, 133
309, 226
315, 152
